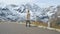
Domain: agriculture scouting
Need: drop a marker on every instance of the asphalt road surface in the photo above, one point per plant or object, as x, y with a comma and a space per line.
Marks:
14, 28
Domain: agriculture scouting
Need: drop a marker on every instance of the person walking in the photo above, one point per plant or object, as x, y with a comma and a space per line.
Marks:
28, 18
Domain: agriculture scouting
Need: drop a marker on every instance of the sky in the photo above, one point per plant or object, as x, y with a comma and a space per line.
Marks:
41, 3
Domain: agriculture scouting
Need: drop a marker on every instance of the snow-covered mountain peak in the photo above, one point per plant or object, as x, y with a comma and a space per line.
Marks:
17, 12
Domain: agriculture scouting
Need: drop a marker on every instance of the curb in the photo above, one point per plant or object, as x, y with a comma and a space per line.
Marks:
49, 28
54, 29
58, 30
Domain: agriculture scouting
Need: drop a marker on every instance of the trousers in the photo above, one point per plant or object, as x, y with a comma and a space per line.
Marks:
28, 22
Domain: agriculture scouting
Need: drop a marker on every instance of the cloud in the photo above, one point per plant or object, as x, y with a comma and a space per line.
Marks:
15, 1
41, 3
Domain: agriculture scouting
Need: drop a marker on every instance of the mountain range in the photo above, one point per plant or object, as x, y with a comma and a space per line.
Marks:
14, 12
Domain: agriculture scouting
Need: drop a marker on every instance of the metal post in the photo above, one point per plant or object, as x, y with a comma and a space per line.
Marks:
49, 22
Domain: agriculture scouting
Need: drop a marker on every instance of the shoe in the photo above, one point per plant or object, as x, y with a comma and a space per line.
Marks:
26, 25
29, 26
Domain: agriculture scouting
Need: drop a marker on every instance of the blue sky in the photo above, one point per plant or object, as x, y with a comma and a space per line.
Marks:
41, 3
